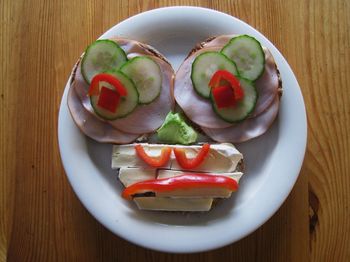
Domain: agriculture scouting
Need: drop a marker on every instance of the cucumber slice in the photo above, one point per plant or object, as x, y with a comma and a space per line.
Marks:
248, 55
147, 77
243, 108
203, 68
101, 56
127, 104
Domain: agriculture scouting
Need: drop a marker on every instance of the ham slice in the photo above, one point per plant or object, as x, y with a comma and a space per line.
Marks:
94, 127
145, 118
248, 129
198, 109
267, 84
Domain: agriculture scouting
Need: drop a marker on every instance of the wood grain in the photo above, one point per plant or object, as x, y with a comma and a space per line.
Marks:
328, 57
41, 218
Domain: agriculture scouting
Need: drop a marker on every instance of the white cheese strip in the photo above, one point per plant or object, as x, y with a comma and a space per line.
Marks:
207, 192
171, 173
221, 158
129, 176
125, 155
173, 204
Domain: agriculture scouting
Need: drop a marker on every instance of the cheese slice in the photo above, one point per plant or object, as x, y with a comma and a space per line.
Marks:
205, 192
129, 176
173, 204
166, 173
125, 155
222, 157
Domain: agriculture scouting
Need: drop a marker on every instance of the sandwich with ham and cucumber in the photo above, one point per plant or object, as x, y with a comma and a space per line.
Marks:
230, 87
173, 134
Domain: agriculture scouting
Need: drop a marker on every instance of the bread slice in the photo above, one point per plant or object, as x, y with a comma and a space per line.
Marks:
144, 119
223, 159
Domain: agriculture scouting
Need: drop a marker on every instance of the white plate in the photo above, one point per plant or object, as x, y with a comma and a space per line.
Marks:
273, 161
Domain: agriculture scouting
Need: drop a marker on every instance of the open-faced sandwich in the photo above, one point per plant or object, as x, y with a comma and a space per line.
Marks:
120, 89
230, 87
173, 134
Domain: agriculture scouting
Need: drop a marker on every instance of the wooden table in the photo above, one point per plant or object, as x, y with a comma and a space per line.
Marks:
42, 219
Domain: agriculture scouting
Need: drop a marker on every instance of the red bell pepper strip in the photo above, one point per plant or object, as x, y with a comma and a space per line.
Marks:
154, 161
94, 86
186, 181
222, 79
186, 163
221, 75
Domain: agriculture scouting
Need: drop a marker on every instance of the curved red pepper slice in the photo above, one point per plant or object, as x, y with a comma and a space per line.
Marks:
186, 181
154, 161
186, 163
94, 86
108, 99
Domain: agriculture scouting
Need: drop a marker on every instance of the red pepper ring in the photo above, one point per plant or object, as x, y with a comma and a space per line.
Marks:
186, 181
187, 163
224, 78
94, 86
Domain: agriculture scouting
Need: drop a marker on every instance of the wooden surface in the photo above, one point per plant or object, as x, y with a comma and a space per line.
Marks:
42, 219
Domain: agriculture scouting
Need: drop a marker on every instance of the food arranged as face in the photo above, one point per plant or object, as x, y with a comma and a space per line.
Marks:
227, 90
177, 177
